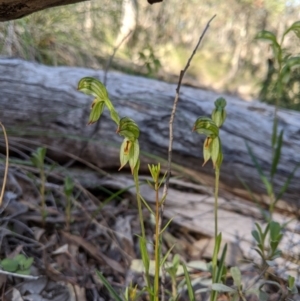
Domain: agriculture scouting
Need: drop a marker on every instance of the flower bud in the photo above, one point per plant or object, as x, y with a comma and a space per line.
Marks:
128, 129
219, 113
206, 126
92, 86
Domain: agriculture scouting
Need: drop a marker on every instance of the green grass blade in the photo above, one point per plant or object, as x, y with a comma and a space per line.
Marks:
216, 249
147, 205
274, 133
253, 197
113, 195
166, 255
277, 154
221, 264
144, 253
287, 183
166, 226
111, 290
188, 284
254, 160
262, 176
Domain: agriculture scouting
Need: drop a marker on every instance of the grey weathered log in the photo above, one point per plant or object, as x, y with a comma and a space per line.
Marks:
40, 105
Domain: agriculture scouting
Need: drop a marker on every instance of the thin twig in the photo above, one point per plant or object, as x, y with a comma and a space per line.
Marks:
20, 275
166, 185
112, 57
6, 164
263, 271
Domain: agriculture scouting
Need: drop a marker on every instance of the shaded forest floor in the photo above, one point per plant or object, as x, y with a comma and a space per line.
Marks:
92, 228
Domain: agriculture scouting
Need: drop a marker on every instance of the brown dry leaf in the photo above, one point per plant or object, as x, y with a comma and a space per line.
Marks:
77, 293
93, 251
38, 232
61, 250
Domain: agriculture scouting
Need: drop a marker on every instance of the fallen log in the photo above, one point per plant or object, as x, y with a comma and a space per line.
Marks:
39, 105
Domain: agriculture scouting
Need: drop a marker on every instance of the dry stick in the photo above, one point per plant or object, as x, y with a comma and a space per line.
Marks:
166, 185
6, 164
113, 55
20, 275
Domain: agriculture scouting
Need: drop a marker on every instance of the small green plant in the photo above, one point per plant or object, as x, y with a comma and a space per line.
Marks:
236, 292
291, 287
282, 82
38, 159
282, 72
268, 180
241, 292
132, 293
150, 61
268, 241
19, 264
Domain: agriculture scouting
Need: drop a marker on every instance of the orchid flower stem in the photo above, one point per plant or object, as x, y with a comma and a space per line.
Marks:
139, 203
42, 192
141, 218
217, 172
157, 239
214, 294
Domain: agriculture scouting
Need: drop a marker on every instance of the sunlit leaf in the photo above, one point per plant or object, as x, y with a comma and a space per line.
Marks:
188, 284
236, 275
295, 27
277, 154
270, 37
9, 265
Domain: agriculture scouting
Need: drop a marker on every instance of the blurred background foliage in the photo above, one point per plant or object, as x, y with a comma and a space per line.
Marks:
161, 40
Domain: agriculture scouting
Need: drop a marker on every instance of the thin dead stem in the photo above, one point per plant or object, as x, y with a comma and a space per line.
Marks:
6, 164
112, 57
166, 185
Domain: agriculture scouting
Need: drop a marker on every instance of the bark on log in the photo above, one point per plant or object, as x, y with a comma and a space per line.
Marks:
40, 105
15, 9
